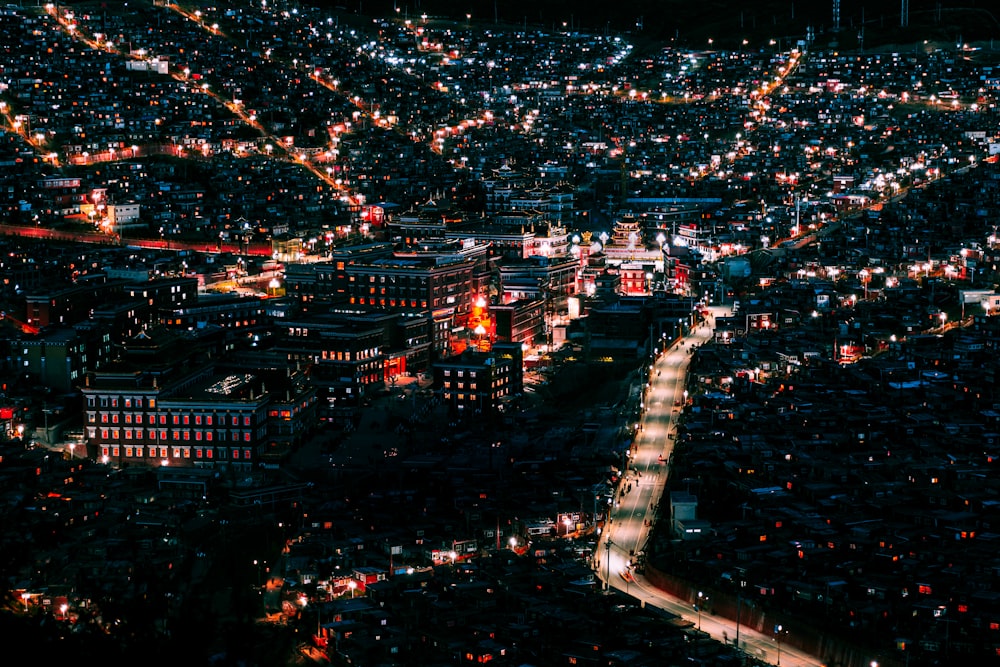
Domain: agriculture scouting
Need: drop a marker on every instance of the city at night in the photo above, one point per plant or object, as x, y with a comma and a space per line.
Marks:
402, 333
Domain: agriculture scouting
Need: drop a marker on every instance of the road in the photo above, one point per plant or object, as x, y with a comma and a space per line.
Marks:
647, 475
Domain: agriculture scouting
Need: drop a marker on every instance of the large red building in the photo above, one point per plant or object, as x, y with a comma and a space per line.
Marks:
161, 407
198, 417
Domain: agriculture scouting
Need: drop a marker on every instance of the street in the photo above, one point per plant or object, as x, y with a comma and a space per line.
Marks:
628, 530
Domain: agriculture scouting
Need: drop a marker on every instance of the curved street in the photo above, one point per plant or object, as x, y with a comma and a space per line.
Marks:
629, 527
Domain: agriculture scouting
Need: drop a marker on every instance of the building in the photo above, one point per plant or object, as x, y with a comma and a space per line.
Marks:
344, 356
521, 321
552, 279
60, 357
477, 382
432, 220
164, 293
199, 418
439, 284
122, 216
327, 281
231, 311
68, 305
163, 406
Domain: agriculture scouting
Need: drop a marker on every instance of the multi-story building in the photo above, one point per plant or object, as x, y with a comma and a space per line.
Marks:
328, 281
60, 357
520, 321
164, 406
292, 414
550, 278
477, 382
164, 294
554, 203
511, 236
344, 356
124, 319
636, 278
350, 354
188, 418
68, 305
225, 310
432, 220
440, 284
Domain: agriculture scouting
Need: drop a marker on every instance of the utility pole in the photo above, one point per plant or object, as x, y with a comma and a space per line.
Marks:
607, 556
739, 609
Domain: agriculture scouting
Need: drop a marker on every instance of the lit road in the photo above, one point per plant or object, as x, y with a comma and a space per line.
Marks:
647, 475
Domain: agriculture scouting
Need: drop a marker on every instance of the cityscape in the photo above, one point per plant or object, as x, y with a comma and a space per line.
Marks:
402, 333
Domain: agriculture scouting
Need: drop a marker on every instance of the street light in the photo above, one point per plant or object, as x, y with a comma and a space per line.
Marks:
778, 630
353, 586
701, 597
607, 555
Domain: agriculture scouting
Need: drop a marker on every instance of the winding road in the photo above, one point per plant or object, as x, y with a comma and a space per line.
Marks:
647, 474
